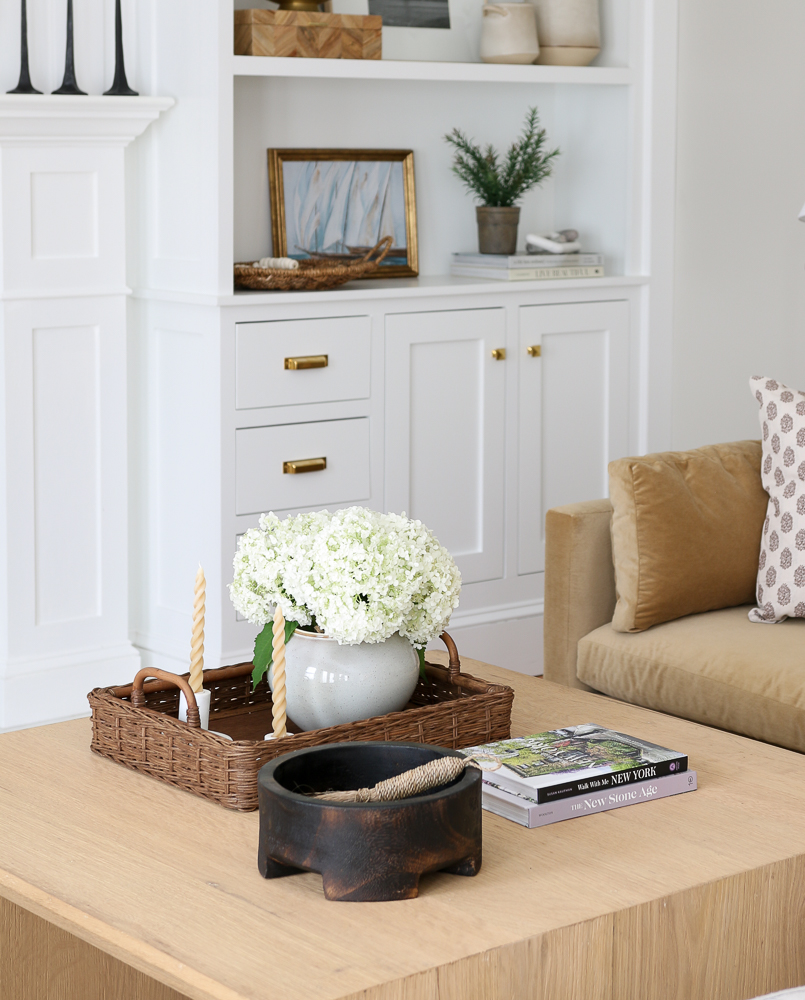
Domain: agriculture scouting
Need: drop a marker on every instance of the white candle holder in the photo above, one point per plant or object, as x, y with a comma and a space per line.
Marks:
203, 702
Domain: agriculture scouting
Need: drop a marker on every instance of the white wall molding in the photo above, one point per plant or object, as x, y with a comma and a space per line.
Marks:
501, 613
56, 688
63, 451
65, 293
28, 118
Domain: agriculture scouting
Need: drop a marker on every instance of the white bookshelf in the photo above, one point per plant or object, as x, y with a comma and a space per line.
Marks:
203, 186
391, 69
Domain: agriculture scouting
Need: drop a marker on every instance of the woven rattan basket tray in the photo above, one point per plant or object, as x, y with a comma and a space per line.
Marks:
448, 709
315, 274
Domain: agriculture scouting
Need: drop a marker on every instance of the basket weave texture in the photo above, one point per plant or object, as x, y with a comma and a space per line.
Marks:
448, 709
315, 274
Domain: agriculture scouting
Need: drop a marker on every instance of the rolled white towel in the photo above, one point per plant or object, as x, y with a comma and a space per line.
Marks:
282, 263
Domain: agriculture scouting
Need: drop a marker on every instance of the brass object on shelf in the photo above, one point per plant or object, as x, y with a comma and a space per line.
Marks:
304, 465
306, 361
309, 5
499, 354
535, 351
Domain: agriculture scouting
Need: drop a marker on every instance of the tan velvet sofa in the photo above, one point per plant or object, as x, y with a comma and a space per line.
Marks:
717, 668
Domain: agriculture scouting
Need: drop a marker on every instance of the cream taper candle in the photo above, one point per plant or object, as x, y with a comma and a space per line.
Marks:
278, 694
197, 639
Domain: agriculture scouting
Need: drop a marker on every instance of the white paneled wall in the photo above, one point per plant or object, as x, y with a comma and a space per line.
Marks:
64, 449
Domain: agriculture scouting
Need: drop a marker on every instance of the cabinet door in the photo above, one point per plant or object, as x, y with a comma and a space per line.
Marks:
445, 431
574, 411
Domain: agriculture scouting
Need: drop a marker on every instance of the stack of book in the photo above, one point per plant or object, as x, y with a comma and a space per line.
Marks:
527, 266
549, 777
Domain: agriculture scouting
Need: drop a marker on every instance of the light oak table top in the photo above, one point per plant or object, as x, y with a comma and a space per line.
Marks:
697, 895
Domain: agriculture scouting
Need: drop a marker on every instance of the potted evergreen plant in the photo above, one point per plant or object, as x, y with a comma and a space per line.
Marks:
498, 185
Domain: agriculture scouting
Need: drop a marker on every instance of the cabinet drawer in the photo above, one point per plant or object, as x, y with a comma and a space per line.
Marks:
264, 380
262, 452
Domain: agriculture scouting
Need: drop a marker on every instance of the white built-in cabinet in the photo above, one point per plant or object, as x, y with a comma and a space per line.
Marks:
143, 437
473, 409
413, 411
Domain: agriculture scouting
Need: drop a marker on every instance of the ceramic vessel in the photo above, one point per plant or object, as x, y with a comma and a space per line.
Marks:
203, 702
497, 229
327, 684
569, 31
366, 851
509, 33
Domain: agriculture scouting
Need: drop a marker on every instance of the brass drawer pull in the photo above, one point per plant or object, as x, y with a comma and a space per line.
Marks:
535, 351
306, 361
304, 465
499, 354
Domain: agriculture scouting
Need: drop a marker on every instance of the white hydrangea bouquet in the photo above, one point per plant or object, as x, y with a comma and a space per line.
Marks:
355, 575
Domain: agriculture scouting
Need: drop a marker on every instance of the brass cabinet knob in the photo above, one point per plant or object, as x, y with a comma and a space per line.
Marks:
535, 351
304, 465
306, 361
499, 354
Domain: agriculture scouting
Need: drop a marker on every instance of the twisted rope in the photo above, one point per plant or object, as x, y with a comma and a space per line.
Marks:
418, 779
278, 694
197, 637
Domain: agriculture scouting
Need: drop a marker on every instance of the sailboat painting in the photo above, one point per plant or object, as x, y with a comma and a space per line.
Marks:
340, 204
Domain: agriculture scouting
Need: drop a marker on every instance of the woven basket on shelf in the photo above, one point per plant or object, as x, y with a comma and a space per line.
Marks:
315, 274
447, 709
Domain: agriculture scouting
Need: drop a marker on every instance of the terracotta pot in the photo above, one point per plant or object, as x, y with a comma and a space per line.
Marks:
497, 229
509, 33
569, 31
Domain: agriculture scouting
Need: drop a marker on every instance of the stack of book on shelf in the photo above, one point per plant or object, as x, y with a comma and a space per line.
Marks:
548, 777
528, 266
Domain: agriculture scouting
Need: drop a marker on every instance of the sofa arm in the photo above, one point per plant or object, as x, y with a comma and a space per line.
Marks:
579, 583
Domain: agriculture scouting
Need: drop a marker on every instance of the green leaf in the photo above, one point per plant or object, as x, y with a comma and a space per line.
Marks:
422, 673
264, 649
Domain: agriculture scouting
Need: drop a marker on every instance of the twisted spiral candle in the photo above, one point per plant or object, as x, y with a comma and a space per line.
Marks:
278, 697
197, 639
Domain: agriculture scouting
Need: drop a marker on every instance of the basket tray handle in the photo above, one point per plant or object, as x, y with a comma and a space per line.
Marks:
381, 250
453, 661
138, 695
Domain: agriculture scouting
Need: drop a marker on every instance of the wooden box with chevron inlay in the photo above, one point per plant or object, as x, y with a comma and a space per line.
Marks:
307, 34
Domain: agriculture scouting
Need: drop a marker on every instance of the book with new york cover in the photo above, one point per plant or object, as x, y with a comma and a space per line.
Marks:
572, 761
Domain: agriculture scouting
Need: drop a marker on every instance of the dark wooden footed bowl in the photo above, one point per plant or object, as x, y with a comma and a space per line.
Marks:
366, 850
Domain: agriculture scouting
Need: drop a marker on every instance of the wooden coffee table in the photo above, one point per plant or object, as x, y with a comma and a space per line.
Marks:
115, 885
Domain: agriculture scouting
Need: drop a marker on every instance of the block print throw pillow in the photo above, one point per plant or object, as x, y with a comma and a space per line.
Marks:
781, 570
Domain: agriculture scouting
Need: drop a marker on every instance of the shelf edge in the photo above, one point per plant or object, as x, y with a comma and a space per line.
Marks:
390, 69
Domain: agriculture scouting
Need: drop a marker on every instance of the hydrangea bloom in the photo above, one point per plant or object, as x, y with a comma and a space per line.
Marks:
362, 575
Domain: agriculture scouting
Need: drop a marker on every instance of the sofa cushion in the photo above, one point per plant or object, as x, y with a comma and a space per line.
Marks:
717, 668
686, 529
781, 569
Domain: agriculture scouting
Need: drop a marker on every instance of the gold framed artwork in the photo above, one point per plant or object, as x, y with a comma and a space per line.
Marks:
337, 204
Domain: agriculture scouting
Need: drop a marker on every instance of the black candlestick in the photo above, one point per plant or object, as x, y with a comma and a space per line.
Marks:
24, 86
120, 86
69, 85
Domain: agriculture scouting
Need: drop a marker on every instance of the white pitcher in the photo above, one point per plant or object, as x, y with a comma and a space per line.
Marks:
509, 33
